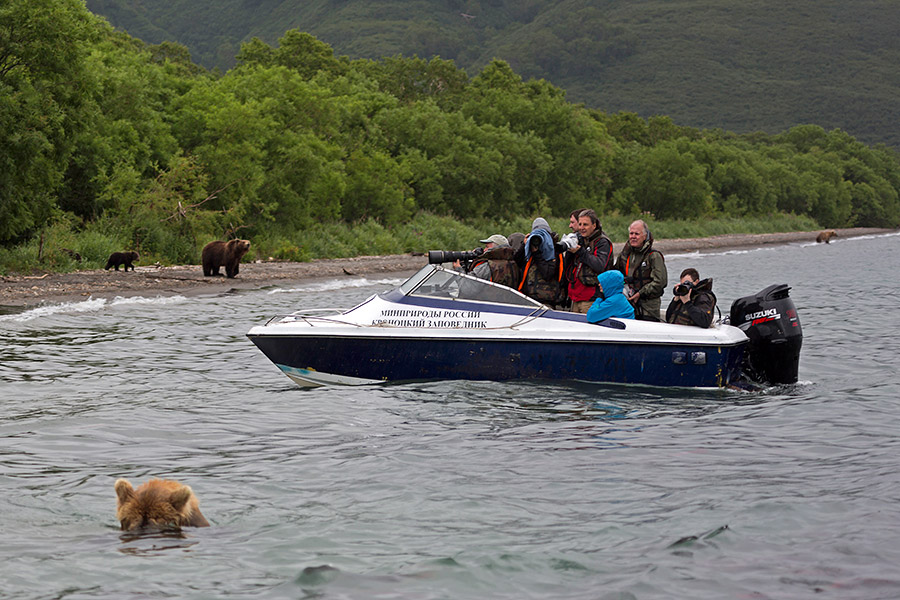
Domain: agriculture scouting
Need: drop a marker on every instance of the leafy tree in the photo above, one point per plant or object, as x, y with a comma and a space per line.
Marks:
296, 50
579, 145
459, 166
376, 188
43, 45
414, 79
125, 118
734, 176
670, 183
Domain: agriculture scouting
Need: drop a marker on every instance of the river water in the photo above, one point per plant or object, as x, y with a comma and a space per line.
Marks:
453, 489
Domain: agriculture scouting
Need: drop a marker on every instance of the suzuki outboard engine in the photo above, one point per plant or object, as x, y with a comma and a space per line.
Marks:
770, 321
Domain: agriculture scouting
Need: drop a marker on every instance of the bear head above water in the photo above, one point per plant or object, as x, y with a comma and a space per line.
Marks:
158, 504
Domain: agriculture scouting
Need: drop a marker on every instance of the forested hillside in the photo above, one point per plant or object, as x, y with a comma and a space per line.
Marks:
108, 143
755, 65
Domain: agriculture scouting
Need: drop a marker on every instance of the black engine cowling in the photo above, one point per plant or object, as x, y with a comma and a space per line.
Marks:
770, 320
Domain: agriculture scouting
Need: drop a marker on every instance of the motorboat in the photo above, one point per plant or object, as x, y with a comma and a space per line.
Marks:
442, 324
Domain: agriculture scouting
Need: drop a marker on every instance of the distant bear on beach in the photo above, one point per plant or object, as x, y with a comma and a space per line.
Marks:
228, 254
826, 236
158, 503
122, 258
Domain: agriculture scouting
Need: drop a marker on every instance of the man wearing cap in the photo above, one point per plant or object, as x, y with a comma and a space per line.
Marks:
496, 262
494, 241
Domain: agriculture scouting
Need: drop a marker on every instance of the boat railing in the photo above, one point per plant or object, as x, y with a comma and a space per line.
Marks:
308, 314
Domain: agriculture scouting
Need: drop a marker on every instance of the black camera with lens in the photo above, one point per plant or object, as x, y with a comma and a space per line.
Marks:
681, 289
581, 241
463, 256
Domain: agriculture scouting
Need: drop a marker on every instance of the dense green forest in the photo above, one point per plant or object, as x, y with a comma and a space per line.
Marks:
756, 65
109, 143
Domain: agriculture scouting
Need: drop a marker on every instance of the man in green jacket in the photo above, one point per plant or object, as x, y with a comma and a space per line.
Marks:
645, 271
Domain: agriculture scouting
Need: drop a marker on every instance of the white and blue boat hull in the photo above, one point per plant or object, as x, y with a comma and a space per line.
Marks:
432, 332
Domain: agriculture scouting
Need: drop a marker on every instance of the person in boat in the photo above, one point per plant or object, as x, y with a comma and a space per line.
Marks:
517, 240
573, 220
612, 302
591, 255
645, 272
694, 302
571, 239
496, 240
497, 262
540, 263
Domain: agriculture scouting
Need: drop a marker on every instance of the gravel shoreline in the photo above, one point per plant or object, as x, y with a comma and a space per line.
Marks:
31, 290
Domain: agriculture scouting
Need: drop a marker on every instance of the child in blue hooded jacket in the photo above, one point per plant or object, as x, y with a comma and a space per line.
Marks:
612, 302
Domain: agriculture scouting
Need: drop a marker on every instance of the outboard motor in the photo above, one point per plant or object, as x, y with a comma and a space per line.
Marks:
770, 321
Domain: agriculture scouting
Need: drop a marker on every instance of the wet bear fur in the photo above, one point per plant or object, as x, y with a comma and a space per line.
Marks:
228, 254
826, 236
158, 504
122, 258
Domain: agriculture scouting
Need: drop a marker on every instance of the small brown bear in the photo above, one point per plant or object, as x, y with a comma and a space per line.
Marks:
826, 236
227, 254
159, 504
122, 258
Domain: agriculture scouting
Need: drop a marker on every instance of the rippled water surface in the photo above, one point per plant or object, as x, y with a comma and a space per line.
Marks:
453, 489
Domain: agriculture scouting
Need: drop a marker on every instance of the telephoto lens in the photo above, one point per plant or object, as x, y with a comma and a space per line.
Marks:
442, 256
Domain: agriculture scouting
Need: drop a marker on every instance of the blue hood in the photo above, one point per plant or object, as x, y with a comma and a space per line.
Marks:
612, 303
612, 281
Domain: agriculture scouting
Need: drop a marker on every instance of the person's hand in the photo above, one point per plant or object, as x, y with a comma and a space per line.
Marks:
574, 249
634, 298
686, 298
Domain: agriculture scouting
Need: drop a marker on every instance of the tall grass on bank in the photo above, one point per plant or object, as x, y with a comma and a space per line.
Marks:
60, 248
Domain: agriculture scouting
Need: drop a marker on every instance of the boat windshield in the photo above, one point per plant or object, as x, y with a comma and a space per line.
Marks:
437, 282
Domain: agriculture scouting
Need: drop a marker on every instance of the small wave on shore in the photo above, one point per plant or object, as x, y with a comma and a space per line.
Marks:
339, 284
85, 306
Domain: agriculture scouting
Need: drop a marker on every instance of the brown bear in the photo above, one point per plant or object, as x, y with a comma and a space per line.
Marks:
219, 253
826, 236
122, 258
159, 504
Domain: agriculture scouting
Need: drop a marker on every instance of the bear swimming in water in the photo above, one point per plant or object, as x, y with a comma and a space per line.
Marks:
227, 254
158, 503
122, 258
826, 236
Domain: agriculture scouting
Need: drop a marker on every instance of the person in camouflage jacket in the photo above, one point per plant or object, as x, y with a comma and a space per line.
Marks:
645, 273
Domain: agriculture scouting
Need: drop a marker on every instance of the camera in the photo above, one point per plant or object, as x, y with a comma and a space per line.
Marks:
442, 256
570, 240
581, 241
682, 289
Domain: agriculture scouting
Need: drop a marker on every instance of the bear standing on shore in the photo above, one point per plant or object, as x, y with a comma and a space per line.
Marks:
227, 254
826, 236
158, 503
122, 258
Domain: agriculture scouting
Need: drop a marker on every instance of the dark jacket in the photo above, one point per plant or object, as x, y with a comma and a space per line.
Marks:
645, 271
540, 278
699, 310
595, 257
